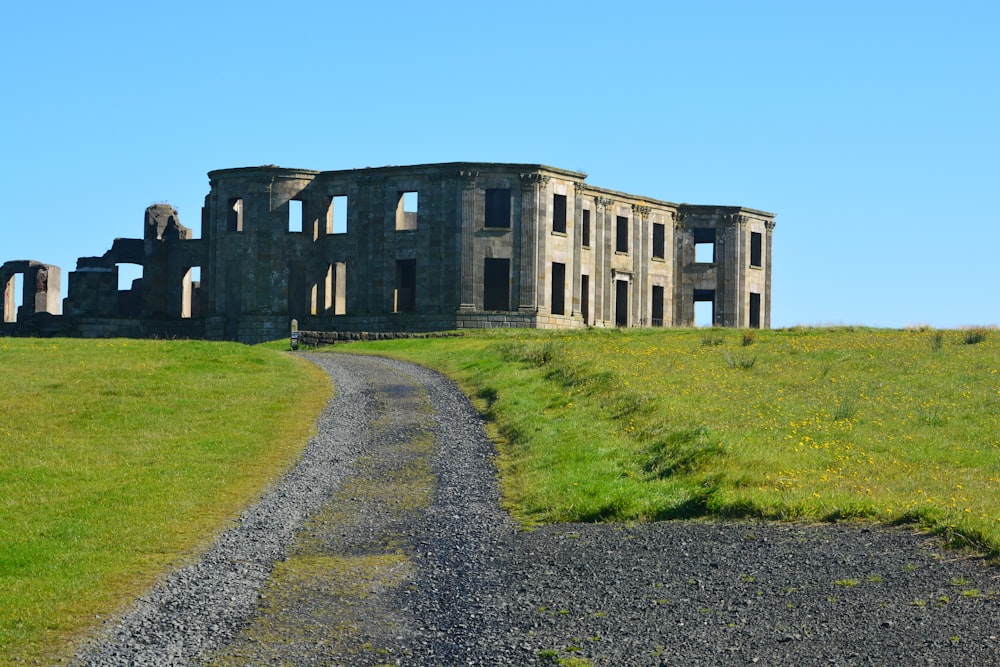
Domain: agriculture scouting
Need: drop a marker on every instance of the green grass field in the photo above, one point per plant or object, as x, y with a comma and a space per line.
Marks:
120, 457
814, 424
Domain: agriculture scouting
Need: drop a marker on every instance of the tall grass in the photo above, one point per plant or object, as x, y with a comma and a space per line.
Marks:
119, 457
891, 426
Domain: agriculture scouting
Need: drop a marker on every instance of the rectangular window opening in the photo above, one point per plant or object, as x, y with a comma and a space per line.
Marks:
405, 297
656, 312
754, 310
190, 284
621, 234
338, 215
659, 236
558, 288
294, 216
314, 299
756, 242
704, 307
234, 215
406, 211
340, 288
704, 245
559, 214
586, 228
497, 208
496, 284
621, 303
585, 298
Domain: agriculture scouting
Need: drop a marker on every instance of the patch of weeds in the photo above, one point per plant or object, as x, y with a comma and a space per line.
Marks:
846, 408
679, 452
960, 581
934, 416
831, 599
528, 352
847, 583
942, 601
909, 567
742, 362
937, 341
971, 593
873, 578
974, 336
749, 337
747, 578
548, 654
919, 603
711, 340
574, 661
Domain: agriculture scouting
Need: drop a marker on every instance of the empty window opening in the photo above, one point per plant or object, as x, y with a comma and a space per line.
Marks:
496, 284
656, 312
406, 211
621, 234
338, 214
755, 248
234, 215
586, 228
558, 288
704, 246
704, 307
585, 298
754, 310
314, 299
559, 214
294, 215
405, 297
129, 289
621, 303
497, 208
127, 275
190, 285
659, 244
340, 288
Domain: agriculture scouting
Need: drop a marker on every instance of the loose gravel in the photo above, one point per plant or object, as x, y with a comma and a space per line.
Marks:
453, 581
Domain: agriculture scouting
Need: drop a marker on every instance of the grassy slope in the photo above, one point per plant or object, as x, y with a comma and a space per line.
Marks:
804, 423
119, 457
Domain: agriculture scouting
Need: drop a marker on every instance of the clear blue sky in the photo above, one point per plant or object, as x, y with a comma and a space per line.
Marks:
872, 129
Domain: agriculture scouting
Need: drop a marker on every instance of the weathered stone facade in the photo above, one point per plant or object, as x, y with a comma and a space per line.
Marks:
416, 248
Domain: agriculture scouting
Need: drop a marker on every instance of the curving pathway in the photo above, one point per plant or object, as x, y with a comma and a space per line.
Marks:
386, 545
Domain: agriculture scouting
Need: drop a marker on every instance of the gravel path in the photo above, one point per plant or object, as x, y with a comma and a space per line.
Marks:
386, 545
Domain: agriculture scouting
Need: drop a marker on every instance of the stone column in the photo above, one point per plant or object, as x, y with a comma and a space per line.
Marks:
468, 226
601, 241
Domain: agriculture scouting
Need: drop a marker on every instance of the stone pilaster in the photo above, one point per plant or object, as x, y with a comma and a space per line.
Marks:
765, 316
469, 282
531, 186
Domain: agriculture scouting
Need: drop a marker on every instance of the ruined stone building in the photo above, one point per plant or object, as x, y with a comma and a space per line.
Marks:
414, 248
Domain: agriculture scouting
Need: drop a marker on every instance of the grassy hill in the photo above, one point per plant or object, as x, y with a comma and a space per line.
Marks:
118, 458
820, 424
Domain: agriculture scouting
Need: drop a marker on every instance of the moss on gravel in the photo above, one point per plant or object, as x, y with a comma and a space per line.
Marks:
332, 594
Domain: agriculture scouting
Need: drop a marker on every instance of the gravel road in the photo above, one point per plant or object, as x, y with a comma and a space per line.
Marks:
386, 545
